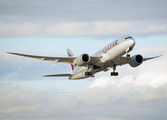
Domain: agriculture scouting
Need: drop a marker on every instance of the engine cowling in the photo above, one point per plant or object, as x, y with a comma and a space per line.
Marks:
136, 60
82, 59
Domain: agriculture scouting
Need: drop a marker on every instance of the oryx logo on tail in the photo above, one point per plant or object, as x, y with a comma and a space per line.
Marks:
70, 54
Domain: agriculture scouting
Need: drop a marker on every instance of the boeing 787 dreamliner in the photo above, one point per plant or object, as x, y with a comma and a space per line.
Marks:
110, 56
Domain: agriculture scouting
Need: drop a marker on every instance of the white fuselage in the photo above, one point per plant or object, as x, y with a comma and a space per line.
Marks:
110, 54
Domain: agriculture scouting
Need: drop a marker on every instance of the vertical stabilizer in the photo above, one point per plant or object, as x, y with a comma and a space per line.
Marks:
70, 54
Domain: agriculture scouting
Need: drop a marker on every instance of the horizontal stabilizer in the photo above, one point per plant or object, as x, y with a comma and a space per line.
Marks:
58, 75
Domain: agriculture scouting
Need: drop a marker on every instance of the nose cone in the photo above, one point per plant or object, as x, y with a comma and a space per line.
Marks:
131, 43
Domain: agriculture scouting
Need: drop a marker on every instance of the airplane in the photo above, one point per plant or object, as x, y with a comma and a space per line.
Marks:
110, 56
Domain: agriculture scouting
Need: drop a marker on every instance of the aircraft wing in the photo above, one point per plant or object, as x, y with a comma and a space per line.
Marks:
125, 60
122, 60
151, 57
94, 59
69, 60
58, 75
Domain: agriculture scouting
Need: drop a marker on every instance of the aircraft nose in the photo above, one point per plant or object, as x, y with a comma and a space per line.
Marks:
132, 43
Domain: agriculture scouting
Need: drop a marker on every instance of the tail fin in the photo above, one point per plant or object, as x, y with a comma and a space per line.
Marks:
70, 54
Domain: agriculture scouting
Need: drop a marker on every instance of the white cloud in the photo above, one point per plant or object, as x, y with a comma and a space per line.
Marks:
18, 30
97, 28
68, 29
141, 93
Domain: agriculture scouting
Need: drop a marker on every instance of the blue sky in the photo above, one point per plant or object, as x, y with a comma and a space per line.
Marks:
84, 26
58, 45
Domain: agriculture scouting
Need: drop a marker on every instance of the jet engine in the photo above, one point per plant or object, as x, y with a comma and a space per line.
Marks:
136, 60
82, 59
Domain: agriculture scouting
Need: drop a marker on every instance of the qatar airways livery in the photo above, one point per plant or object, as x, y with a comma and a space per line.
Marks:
110, 56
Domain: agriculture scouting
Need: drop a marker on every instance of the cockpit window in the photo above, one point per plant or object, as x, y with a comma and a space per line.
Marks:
128, 38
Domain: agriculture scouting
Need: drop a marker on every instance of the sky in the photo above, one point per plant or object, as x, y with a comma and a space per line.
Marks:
49, 27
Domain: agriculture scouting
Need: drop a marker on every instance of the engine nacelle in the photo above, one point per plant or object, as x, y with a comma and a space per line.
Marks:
136, 60
82, 59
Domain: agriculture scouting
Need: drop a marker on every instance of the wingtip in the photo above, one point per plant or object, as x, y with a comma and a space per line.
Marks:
8, 52
11, 53
159, 55
48, 76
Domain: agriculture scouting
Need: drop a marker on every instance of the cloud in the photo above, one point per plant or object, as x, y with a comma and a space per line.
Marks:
99, 28
81, 10
121, 103
139, 93
15, 30
81, 18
